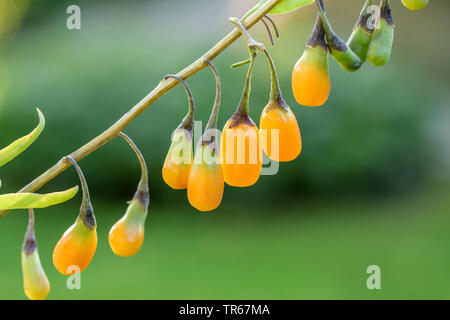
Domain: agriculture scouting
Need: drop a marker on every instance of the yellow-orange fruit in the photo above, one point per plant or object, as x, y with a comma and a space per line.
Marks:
76, 248
241, 154
206, 182
310, 77
127, 234
178, 161
280, 122
35, 281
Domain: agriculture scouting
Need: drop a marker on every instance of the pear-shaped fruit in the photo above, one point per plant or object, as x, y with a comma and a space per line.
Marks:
178, 160
179, 157
310, 77
282, 135
127, 234
206, 182
35, 281
380, 48
76, 248
240, 152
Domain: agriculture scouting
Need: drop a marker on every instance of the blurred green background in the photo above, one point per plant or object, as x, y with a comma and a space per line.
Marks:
371, 186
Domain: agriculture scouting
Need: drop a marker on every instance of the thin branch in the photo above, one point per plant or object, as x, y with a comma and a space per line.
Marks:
162, 88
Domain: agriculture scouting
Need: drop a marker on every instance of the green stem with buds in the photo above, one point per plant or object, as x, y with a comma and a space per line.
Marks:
162, 88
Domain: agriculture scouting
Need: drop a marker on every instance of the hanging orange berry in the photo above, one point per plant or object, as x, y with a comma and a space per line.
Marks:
283, 139
127, 234
206, 182
278, 125
179, 158
76, 248
279, 132
310, 77
241, 154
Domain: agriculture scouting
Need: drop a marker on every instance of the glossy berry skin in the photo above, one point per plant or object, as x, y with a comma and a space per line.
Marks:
381, 46
75, 248
241, 154
127, 234
310, 77
359, 42
178, 161
415, 4
276, 116
206, 181
35, 281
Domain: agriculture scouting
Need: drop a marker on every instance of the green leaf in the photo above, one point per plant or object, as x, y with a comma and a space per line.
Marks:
34, 200
283, 7
17, 147
286, 6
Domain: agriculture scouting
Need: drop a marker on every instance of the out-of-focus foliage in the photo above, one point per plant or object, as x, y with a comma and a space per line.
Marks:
311, 251
11, 15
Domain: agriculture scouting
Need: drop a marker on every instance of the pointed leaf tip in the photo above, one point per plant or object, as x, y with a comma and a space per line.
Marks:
20, 145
